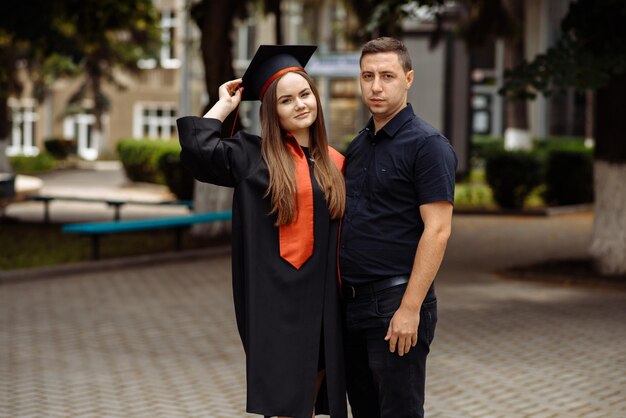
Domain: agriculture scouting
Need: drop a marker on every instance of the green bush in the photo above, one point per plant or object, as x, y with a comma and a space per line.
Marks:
561, 143
569, 177
512, 175
60, 148
140, 158
40, 163
483, 145
178, 179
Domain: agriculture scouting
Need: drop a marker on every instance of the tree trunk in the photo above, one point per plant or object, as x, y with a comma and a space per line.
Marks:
9, 86
5, 166
516, 135
608, 241
216, 21
590, 106
95, 75
211, 198
273, 6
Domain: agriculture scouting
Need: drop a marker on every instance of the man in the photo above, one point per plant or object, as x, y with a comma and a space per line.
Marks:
400, 189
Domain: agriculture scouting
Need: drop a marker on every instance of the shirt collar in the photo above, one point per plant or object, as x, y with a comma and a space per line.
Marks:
395, 123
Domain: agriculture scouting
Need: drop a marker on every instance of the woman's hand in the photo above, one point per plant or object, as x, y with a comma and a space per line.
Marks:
229, 98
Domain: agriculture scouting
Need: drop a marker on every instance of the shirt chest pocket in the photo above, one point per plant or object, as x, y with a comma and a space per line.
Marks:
387, 179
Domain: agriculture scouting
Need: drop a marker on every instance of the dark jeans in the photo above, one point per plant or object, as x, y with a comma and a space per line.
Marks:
382, 384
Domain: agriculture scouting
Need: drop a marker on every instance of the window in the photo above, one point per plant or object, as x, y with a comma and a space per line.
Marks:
168, 39
168, 54
154, 120
22, 127
481, 114
82, 127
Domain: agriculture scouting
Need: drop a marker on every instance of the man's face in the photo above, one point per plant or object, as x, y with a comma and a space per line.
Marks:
384, 84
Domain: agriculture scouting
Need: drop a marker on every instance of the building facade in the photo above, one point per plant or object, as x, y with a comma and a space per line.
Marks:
455, 89
147, 106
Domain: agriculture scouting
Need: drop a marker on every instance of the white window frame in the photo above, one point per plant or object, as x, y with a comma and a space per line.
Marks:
87, 140
169, 21
169, 29
24, 116
146, 114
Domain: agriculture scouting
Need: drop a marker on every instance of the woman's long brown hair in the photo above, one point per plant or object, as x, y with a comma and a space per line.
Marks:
282, 186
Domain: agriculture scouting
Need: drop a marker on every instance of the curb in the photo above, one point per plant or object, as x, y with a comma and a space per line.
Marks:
44, 273
543, 211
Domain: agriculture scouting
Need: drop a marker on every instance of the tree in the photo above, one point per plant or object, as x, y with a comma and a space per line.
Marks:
107, 35
385, 18
591, 54
26, 41
67, 37
216, 21
482, 21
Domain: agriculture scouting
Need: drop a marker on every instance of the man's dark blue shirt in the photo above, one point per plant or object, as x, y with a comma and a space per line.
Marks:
406, 164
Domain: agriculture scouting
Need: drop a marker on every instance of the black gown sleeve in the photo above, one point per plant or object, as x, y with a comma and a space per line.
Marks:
212, 159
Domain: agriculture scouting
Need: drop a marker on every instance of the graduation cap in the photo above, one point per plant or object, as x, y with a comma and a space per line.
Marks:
269, 63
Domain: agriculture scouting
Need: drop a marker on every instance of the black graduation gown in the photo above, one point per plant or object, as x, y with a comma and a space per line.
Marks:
281, 311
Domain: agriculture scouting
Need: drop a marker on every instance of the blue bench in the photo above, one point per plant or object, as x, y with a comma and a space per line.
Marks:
115, 203
96, 229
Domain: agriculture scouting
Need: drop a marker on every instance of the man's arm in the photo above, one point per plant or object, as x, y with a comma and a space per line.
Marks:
402, 332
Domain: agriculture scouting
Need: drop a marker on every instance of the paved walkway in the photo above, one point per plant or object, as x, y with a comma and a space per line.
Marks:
102, 180
160, 340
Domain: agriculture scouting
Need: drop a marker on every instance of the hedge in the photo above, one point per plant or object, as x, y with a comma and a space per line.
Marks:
512, 175
140, 158
39, 163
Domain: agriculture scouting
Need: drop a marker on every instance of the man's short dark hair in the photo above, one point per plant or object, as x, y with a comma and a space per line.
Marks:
387, 44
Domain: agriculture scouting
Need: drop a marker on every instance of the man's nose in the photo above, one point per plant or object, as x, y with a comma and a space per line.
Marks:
376, 84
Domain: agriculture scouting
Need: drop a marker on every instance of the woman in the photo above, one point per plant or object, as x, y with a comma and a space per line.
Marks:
288, 199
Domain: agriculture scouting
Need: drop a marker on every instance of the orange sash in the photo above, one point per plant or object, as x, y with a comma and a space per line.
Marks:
297, 238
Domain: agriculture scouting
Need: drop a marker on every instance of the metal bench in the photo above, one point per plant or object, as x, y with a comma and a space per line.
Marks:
96, 229
115, 203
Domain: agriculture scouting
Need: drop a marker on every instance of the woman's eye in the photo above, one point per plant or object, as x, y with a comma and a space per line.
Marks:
285, 101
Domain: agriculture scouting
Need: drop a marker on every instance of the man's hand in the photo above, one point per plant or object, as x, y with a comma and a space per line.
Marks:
402, 331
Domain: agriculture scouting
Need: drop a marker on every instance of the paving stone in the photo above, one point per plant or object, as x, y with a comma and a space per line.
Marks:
161, 340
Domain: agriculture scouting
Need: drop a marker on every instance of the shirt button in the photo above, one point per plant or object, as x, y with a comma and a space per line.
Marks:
364, 168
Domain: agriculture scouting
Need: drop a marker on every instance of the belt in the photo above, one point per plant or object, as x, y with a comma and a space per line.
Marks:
352, 292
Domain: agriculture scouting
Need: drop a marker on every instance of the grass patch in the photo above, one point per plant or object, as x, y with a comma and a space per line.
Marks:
27, 245
474, 193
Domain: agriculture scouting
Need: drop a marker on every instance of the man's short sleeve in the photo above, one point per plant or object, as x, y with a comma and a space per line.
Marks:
435, 169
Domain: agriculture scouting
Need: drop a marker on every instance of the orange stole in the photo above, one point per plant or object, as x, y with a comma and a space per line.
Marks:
297, 238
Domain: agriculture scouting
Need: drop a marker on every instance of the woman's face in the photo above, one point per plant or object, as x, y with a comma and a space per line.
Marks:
295, 103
